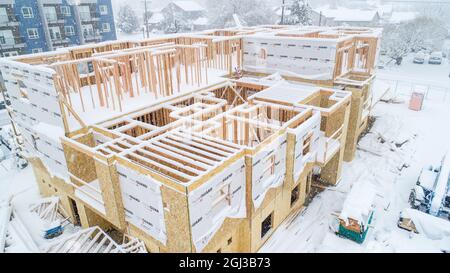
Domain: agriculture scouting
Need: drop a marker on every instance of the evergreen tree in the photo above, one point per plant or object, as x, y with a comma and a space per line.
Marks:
300, 13
127, 20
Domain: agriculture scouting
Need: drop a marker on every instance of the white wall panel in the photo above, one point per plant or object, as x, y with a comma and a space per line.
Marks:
263, 180
142, 201
221, 197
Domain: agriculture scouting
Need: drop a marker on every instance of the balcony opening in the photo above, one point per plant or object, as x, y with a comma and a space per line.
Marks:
295, 193
266, 225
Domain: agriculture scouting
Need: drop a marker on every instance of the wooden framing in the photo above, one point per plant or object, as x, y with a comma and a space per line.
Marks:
197, 127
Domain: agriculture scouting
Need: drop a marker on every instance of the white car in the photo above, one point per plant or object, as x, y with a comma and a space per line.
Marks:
435, 58
419, 58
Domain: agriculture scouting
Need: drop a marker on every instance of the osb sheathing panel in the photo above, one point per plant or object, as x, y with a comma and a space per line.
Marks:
112, 197
359, 95
331, 172
276, 201
90, 218
314, 101
353, 124
230, 229
42, 174
302, 181
270, 200
178, 234
176, 218
335, 121
80, 164
53, 186
149, 242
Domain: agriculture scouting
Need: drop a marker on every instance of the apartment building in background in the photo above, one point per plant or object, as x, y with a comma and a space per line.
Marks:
33, 26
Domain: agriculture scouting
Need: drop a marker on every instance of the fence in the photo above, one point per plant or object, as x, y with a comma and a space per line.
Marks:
405, 86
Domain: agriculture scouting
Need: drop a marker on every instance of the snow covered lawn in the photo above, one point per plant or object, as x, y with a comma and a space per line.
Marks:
392, 168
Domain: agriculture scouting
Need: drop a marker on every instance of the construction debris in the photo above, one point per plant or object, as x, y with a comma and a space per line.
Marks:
133, 245
90, 240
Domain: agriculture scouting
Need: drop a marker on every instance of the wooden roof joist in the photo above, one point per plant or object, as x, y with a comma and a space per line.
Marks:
253, 122
173, 150
159, 168
183, 171
167, 161
216, 140
180, 155
188, 148
215, 145
199, 145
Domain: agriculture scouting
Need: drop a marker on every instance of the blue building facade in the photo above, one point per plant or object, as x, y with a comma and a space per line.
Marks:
32, 26
27, 13
107, 20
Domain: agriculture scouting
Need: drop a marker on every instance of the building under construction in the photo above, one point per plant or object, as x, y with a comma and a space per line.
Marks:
201, 142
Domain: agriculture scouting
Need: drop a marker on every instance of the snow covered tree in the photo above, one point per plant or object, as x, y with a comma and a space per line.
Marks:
174, 21
249, 12
300, 13
422, 33
127, 20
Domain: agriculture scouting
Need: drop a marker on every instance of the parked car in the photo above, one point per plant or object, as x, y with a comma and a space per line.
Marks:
435, 58
419, 58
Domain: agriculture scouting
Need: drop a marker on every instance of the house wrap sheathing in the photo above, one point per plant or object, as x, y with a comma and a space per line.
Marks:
201, 142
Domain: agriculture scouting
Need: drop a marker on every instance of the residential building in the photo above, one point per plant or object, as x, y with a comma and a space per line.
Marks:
202, 142
188, 14
29, 26
342, 16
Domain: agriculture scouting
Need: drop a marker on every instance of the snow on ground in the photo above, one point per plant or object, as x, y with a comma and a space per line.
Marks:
131, 36
22, 186
135, 36
426, 73
392, 170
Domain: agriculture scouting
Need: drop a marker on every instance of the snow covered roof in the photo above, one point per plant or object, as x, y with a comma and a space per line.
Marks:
402, 16
358, 204
202, 21
188, 5
342, 14
157, 17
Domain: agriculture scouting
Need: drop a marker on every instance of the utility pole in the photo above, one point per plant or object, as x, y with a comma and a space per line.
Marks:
282, 13
320, 18
146, 18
